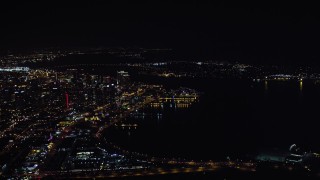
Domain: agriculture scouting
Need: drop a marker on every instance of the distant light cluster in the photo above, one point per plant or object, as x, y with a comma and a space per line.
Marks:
14, 69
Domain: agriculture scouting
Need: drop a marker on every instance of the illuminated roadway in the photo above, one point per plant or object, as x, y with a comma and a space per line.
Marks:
195, 168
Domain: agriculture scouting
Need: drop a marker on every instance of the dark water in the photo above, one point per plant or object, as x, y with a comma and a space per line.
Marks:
233, 118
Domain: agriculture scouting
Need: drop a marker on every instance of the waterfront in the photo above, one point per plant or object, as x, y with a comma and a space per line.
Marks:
233, 118
159, 90
150, 125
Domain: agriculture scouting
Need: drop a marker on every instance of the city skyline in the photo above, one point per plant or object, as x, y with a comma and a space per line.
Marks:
159, 90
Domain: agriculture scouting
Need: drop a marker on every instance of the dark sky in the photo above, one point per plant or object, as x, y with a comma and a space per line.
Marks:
261, 31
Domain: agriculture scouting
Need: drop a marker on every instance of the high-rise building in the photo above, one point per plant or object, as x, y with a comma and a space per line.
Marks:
122, 78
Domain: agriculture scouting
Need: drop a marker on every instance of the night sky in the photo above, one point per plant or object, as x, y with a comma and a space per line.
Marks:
258, 32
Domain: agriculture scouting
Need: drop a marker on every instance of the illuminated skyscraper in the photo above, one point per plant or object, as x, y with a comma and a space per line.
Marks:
122, 78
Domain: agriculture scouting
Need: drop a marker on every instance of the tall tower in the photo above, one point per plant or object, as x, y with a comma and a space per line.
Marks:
67, 100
